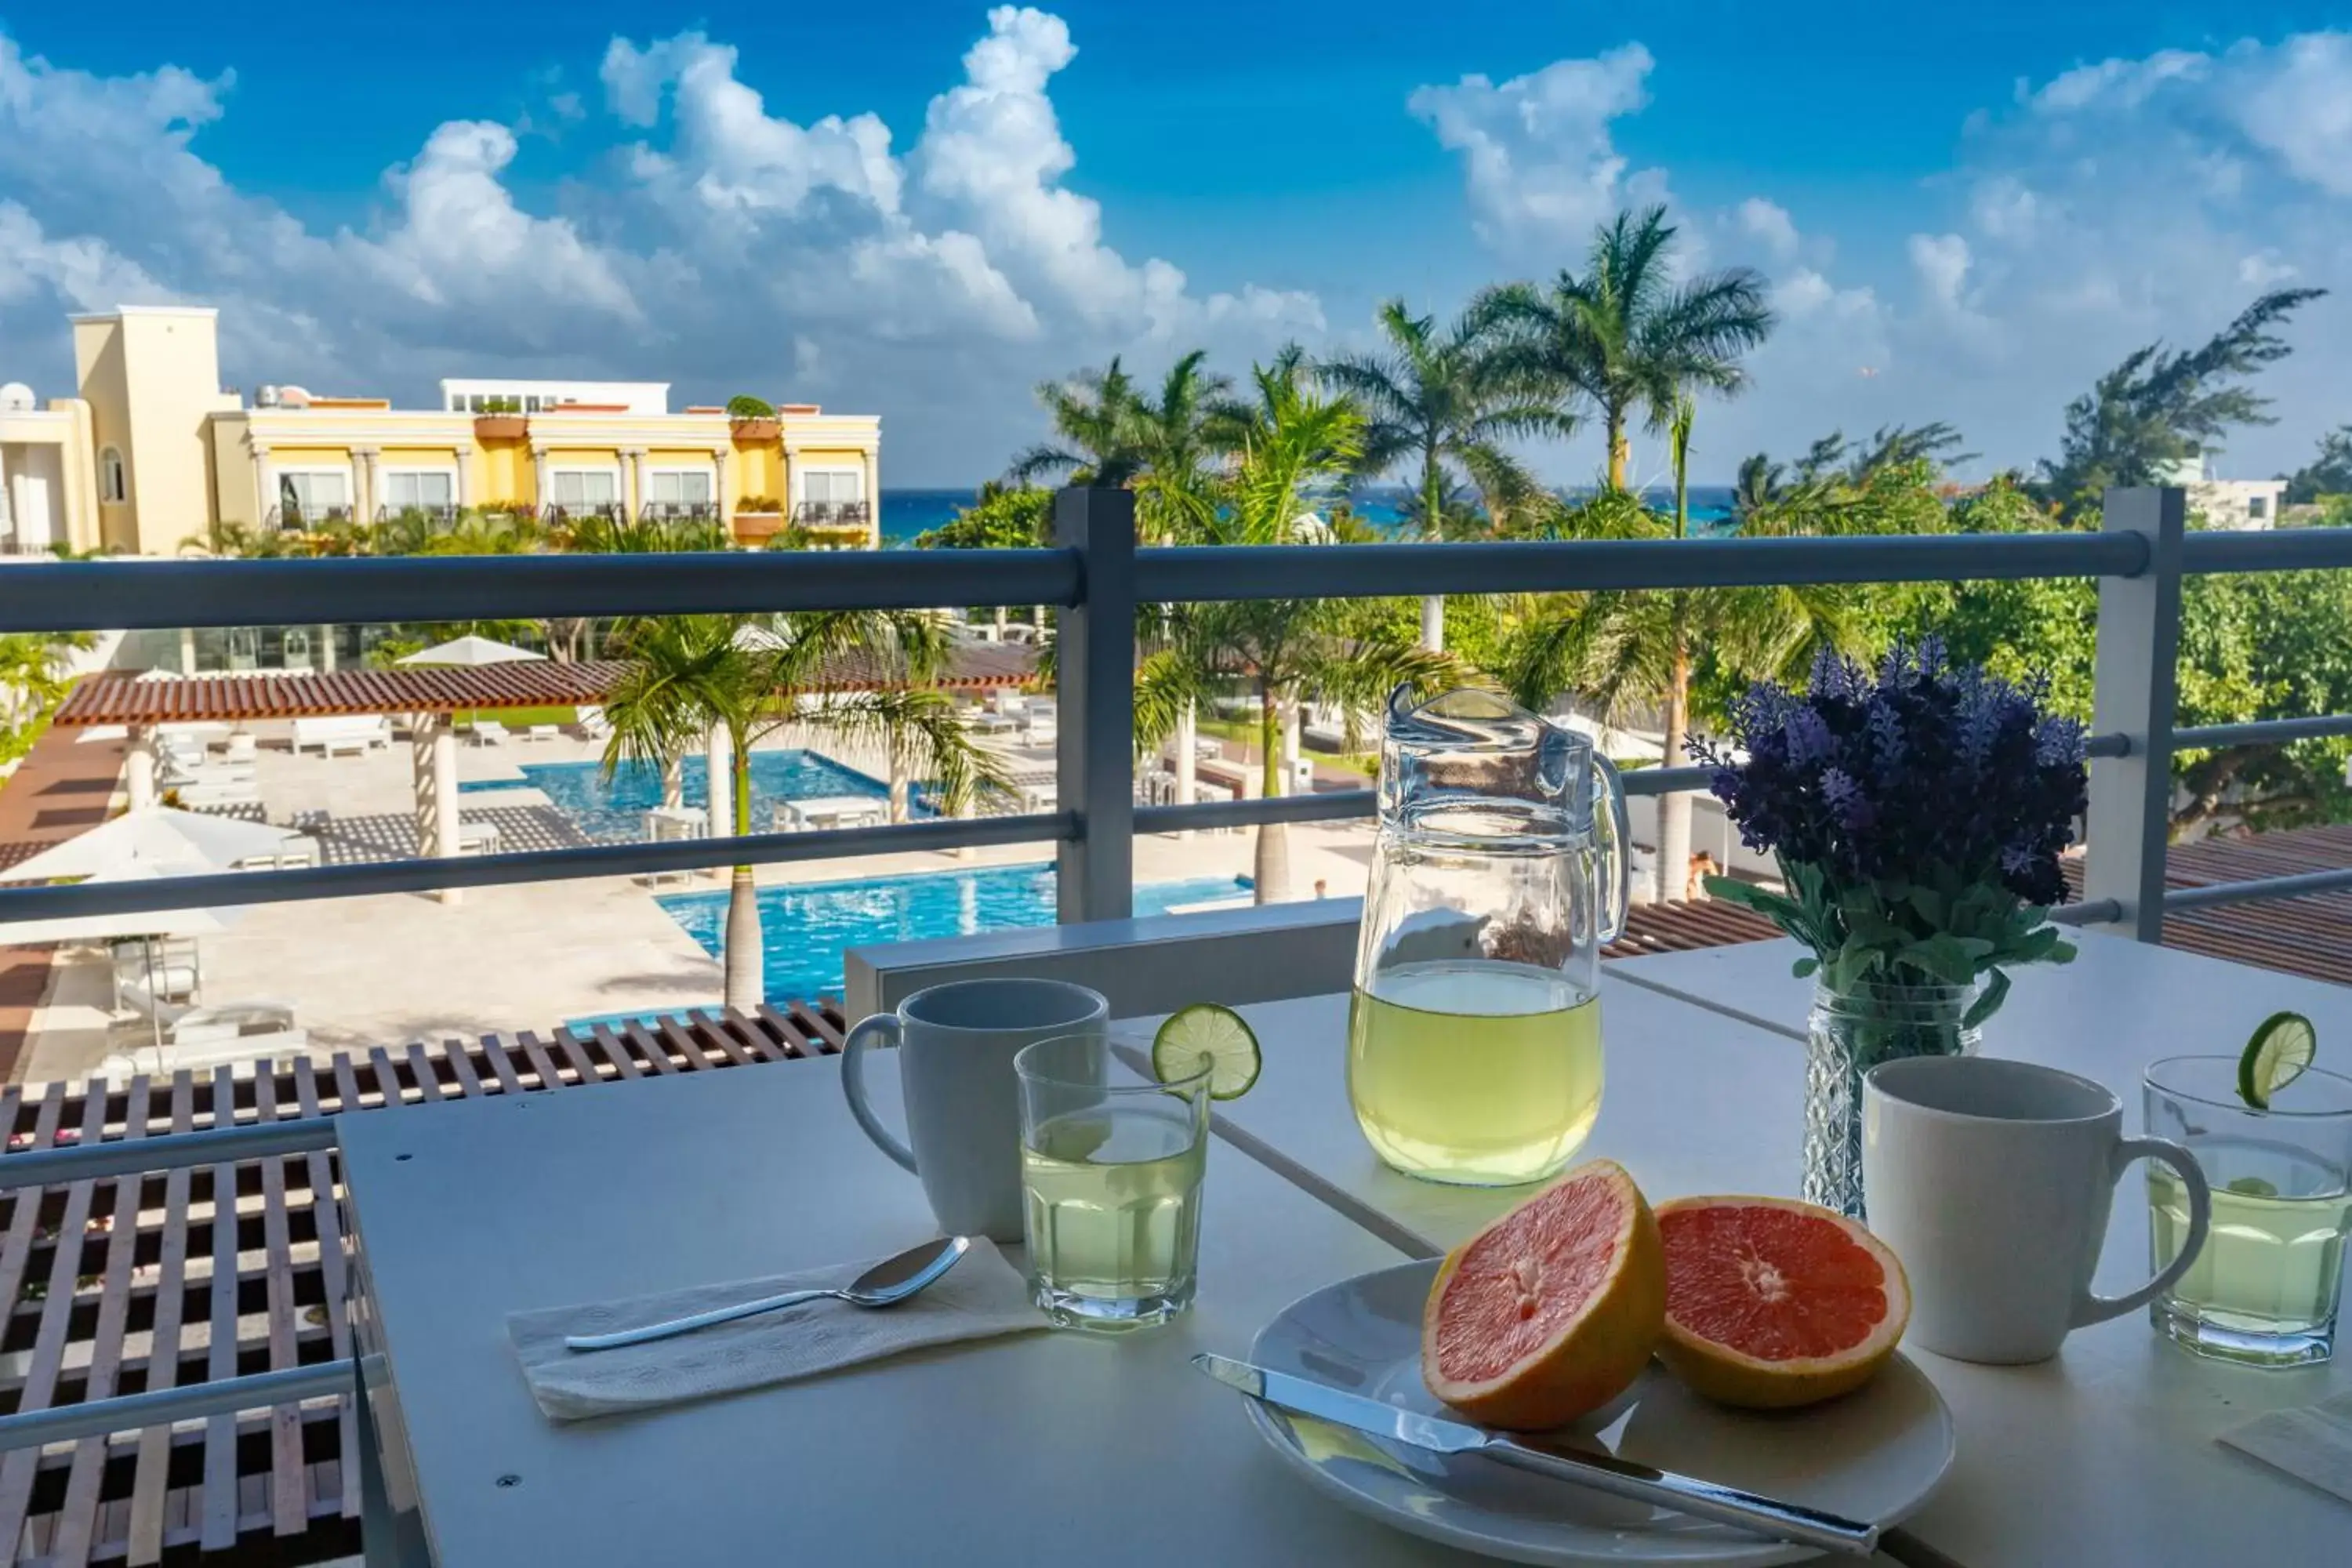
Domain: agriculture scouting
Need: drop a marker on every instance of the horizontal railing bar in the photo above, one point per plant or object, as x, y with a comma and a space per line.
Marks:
535, 865
1667, 781
2301, 885
1331, 806
161, 1406
167, 1152
2098, 911
1195, 574
2284, 550
2263, 733
130, 594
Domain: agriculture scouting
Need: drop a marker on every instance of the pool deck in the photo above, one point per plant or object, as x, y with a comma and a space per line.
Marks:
368, 971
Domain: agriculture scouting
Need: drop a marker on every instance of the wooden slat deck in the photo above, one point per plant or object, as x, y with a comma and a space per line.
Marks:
195, 1274
2309, 936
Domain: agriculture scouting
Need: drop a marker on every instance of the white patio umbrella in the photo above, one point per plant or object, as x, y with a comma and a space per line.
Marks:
163, 839
144, 925
473, 651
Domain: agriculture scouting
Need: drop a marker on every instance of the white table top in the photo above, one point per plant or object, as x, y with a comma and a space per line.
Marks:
2119, 1006
2104, 1456
1039, 1447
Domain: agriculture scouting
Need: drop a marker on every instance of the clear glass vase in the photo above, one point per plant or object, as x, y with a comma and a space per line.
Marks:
1853, 1030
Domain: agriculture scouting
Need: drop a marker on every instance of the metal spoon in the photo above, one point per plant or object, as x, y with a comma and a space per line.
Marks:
886, 1284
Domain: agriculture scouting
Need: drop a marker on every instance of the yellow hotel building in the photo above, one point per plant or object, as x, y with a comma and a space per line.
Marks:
153, 453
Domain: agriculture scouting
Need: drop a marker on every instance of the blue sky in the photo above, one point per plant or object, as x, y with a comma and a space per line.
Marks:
923, 208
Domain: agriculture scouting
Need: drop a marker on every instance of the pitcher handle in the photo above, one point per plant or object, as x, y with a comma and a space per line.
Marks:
1619, 875
853, 1083
2092, 1308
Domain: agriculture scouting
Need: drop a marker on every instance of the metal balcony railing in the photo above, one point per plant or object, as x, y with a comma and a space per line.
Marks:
830, 514
1096, 573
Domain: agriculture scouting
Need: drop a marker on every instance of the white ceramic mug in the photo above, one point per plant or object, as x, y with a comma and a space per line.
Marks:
956, 1045
1992, 1181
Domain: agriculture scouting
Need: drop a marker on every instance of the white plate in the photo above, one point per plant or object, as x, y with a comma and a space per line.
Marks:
1873, 1455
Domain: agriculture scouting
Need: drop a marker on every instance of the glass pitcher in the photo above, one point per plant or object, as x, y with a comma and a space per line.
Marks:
1474, 1040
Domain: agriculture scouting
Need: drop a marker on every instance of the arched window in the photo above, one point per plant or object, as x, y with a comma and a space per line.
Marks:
113, 479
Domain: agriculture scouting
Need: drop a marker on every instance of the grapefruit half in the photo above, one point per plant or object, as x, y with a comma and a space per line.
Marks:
1553, 1310
1772, 1303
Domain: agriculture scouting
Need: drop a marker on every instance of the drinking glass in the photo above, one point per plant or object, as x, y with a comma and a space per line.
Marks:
2265, 1290
1111, 1175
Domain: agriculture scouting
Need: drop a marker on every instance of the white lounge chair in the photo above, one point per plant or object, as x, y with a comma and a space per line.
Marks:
203, 1056
591, 723
490, 733
352, 733
185, 1025
542, 732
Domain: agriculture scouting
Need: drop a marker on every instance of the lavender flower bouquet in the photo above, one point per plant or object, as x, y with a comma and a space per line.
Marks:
1917, 816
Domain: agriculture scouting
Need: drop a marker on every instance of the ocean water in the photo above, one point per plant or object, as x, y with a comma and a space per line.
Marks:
908, 512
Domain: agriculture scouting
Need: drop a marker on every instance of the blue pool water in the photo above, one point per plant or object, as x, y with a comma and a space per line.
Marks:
806, 927
611, 811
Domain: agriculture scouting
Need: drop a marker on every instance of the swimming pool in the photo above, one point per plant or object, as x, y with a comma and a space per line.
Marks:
611, 811
806, 927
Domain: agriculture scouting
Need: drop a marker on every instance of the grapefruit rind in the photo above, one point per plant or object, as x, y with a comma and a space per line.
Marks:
1590, 1358
1731, 1376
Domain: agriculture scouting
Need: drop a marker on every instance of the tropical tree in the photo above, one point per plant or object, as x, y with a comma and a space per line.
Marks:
1432, 397
2160, 406
1294, 445
2328, 474
1625, 334
36, 675
745, 676
1095, 431
1634, 653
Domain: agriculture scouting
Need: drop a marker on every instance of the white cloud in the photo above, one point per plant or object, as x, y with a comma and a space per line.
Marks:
1770, 226
716, 245
1542, 165
2119, 203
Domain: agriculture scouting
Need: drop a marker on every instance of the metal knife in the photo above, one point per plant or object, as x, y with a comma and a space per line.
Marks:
1768, 1516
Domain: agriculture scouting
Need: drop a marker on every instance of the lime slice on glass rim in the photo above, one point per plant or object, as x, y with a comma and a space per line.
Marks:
1213, 1030
2281, 1046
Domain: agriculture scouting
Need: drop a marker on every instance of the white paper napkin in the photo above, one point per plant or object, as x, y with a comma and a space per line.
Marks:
2312, 1443
983, 1295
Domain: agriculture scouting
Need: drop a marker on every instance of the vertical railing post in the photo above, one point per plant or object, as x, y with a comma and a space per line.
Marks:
2136, 688
1094, 668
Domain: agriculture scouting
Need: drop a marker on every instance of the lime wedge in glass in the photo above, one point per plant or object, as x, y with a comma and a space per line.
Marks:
2281, 1048
1207, 1029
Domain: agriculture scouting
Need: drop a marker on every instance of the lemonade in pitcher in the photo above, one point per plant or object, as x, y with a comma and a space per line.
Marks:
1474, 1040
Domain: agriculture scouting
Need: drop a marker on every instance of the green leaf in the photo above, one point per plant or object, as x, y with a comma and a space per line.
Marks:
1988, 1001
1855, 963
1943, 956
1770, 905
1804, 966
1931, 906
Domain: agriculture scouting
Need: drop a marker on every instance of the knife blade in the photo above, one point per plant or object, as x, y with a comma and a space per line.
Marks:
1772, 1518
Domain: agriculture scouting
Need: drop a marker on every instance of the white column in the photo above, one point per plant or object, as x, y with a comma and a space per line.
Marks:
540, 499
633, 481
139, 770
720, 470
7, 503
465, 457
363, 485
873, 498
326, 661
265, 485
1188, 732
421, 798
1293, 722
445, 795
719, 756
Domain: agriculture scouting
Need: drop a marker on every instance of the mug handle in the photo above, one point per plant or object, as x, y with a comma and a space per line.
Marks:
2096, 1308
853, 1083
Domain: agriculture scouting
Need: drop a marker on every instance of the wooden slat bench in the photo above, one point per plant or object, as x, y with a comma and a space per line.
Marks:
181, 1276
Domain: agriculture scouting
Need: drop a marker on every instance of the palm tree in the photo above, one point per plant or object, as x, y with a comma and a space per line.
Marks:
1292, 443
748, 676
1094, 430
1632, 651
1180, 441
1432, 397
1626, 333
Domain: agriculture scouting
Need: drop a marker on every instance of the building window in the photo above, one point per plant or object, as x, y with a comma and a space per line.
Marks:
831, 486
113, 478
431, 489
583, 487
457, 402
677, 487
475, 403
313, 495
531, 404
2258, 506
